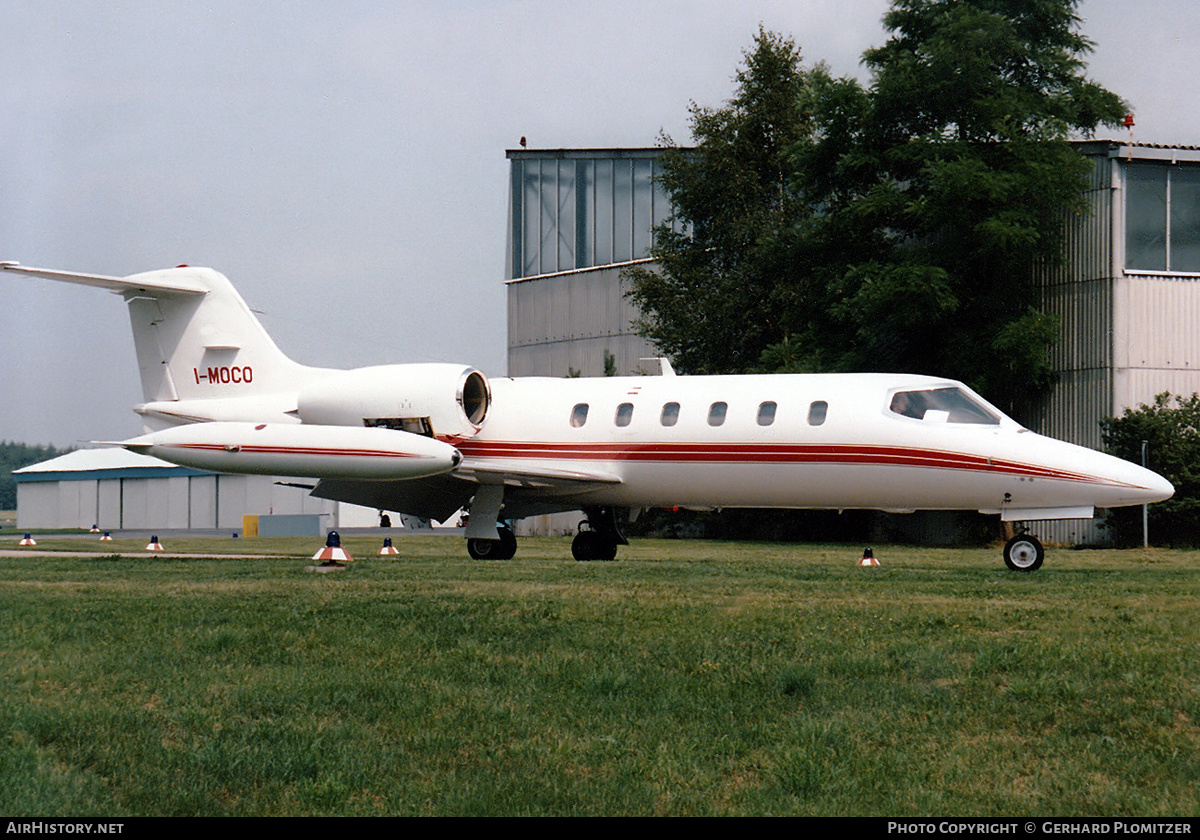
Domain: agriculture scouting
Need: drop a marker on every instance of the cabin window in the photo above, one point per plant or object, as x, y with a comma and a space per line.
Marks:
716, 413
624, 414
766, 413
943, 405
670, 414
817, 412
579, 415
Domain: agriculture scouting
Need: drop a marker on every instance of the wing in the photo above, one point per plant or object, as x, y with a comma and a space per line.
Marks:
434, 498
527, 490
515, 473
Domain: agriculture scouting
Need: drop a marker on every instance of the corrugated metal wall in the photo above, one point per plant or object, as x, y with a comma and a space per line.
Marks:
1126, 336
567, 321
167, 502
1156, 340
1079, 291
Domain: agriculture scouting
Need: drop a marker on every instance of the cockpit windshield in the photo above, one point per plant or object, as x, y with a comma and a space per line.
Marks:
943, 405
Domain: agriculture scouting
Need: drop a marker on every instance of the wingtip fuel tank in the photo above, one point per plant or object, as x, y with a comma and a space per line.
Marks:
308, 451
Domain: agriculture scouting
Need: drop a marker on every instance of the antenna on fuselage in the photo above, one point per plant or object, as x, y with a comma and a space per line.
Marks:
663, 362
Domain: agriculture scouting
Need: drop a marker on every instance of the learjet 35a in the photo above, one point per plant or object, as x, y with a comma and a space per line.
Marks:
429, 439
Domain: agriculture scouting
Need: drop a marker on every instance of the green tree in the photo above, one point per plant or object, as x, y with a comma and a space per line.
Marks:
894, 227
1171, 430
610, 363
713, 300
961, 179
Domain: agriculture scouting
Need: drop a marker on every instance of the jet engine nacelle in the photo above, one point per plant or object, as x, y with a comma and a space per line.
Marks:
441, 400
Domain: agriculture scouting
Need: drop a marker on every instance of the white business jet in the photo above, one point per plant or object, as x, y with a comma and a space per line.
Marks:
428, 439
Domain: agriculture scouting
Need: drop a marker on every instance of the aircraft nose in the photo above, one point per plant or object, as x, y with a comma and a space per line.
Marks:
1158, 489
1109, 481
1143, 486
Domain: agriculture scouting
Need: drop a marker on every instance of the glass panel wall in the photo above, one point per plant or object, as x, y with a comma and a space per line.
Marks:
585, 212
643, 205
1185, 219
1146, 218
622, 204
582, 209
603, 251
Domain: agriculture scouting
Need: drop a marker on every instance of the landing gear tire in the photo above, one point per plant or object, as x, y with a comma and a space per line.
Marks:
599, 535
502, 549
1024, 553
593, 545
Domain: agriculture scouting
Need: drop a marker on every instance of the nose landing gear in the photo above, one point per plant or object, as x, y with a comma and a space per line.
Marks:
502, 549
1023, 553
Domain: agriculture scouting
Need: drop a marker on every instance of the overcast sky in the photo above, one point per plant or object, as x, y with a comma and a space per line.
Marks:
343, 163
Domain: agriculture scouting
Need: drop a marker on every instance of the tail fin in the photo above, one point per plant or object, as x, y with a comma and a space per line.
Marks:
194, 335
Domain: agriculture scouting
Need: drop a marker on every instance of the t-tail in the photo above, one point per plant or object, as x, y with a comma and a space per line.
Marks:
196, 340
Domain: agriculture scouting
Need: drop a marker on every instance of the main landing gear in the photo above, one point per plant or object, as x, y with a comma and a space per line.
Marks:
1023, 553
598, 537
501, 549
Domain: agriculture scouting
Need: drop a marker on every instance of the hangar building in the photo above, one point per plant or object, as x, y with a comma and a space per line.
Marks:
1128, 295
1127, 292
576, 218
117, 489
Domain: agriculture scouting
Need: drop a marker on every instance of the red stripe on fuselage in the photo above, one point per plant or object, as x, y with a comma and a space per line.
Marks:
762, 453
294, 450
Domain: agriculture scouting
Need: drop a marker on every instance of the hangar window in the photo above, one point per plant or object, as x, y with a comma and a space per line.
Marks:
766, 413
817, 412
670, 414
942, 405
624, 414
716, 413
579, 415
1162, 217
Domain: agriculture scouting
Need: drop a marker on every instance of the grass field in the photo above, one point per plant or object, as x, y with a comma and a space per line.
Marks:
688, 678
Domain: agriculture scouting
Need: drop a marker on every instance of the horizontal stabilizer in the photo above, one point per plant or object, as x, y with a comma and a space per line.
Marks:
120, 285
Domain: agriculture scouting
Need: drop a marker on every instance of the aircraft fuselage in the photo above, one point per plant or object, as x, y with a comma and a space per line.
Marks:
797, 441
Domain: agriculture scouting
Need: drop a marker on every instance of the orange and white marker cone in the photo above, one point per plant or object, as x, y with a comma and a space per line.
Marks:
333, 554
27, 540
106, 538
868, 558
154, 544
388, 548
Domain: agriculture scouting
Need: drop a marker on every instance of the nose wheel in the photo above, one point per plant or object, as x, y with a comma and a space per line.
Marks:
1023, 553
502, 549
